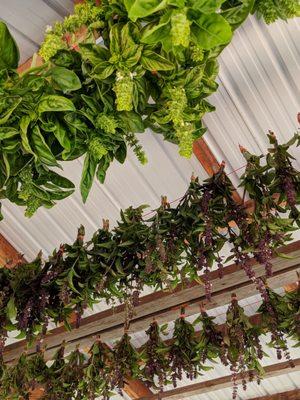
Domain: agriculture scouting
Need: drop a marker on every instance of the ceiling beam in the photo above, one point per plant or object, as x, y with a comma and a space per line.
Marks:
210, 164
9, 256
136, 389
164, 306
222, 383
289, 395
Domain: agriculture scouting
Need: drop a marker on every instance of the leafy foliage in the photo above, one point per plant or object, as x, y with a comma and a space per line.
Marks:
105, 370
176, 244
111, 71
271, 10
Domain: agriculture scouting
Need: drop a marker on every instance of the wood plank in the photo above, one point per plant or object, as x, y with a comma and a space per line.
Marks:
209, 162
9, 256
221, 383
27, 64
165, 305
136, 389
289, 395
36, 394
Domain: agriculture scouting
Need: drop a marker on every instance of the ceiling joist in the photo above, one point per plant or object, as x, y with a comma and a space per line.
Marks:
223, 383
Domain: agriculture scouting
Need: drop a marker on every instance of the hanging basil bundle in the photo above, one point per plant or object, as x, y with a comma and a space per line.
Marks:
105, 370
155, 65
176, 245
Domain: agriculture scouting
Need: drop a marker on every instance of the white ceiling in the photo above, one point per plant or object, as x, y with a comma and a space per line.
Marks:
259, 90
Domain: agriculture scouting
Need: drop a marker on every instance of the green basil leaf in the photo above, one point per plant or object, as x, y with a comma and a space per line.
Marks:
103, 70
237, 15
24, 124
210, 31
60, 195
155, 62
15, 101
59, 180
61, 135
55, 103
158, 32
142, 8
103, 165
8, 132
88, 173
10, 145
9, 52
93, 53
41, 148
132, 121
11, 310
7, 165
64, 78
207, 6
121, 153
176, 3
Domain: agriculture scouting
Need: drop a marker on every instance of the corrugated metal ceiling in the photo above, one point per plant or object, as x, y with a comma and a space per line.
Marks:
259, 90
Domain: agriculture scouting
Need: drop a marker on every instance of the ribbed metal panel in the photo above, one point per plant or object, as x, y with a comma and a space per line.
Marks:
269, 386
28, 19
129, 184
259, 90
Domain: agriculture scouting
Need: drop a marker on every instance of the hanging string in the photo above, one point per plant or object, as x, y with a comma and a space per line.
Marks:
180, 198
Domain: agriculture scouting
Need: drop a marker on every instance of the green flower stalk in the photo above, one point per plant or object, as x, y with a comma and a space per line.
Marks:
85, 14
136, 147
123, 89
197, 54
96, 148
184, 134
52, 44
33, 203
26, 184
183, 130
271, 10
180, 29
107, 123
177, 104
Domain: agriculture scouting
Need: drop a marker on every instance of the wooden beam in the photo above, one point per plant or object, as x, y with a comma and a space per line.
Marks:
9, 256
209, 162
205, 156
165, 305
136, 389
221, 383
27, 64
290, 395
36, 394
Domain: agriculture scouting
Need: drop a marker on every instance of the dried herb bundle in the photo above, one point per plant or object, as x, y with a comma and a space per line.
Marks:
210, 340
176, 244
242, 346
183, 351
125, 363
97, 373
275, 312
155, 358
106, 370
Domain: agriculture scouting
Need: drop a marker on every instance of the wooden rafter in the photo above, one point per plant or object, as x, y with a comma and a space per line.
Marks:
9, 256
209, 162
222, 383
289, 395
165, 305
